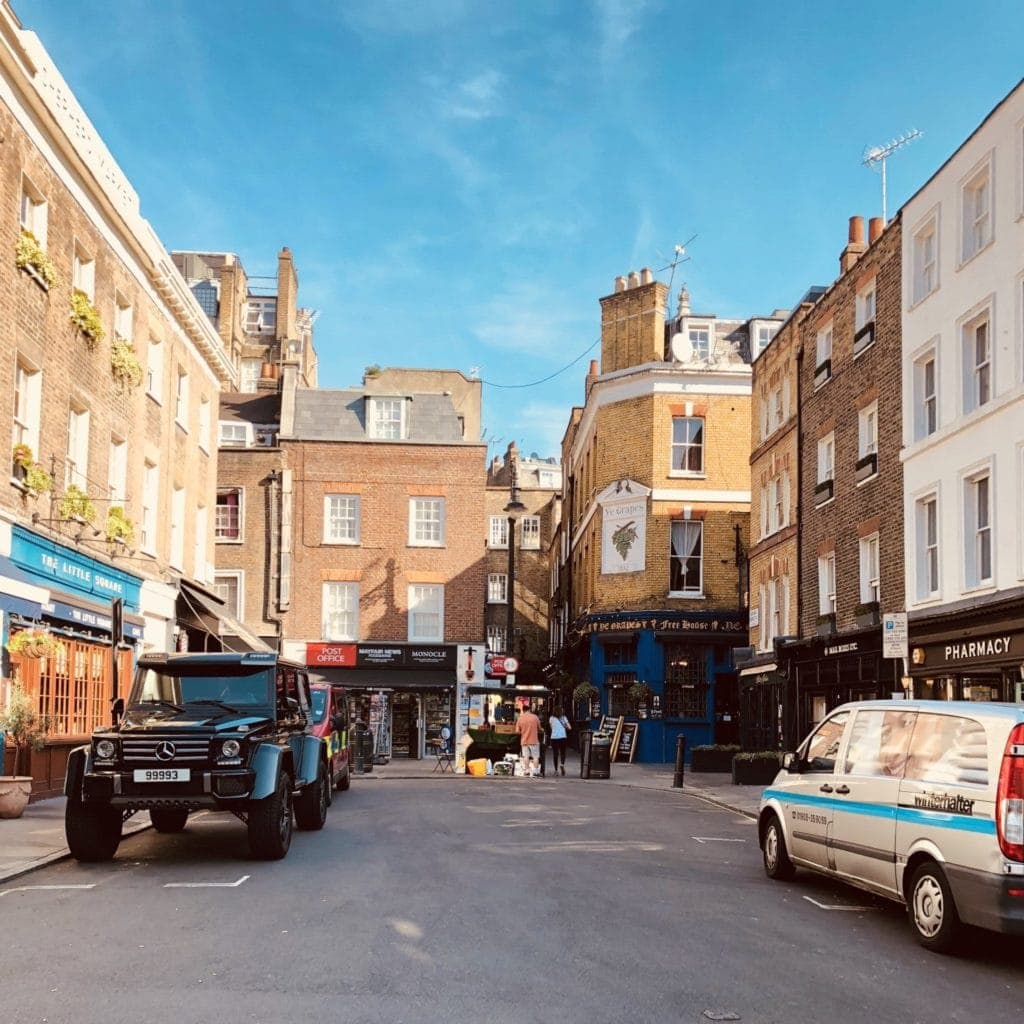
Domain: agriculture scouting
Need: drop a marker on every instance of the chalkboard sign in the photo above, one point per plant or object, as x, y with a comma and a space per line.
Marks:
612, 724
625, 749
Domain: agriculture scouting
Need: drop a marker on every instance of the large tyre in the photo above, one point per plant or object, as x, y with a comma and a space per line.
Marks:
931, 909
346, 778
777, 864
93, 831
270, 822
311, 806
169, 819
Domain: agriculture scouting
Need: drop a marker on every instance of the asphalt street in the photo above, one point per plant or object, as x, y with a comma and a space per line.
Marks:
481, 901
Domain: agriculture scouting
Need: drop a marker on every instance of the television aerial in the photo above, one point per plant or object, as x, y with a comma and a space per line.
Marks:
875, 157
679, 255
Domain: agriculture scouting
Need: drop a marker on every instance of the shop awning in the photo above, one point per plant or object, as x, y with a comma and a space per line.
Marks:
756, 670
402, 680
211, 615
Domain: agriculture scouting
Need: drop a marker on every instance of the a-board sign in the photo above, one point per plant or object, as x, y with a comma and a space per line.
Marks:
625, 749
612, 724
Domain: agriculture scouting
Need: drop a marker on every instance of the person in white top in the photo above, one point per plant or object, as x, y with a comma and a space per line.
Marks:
559, 728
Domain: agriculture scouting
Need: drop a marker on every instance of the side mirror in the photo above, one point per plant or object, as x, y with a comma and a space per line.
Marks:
792, 763
117, 710
292, 705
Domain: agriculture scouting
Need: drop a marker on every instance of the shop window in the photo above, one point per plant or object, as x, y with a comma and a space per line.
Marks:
620, 652
686, 684
619, 701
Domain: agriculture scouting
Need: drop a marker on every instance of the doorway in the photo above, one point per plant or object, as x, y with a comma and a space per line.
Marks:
405, 726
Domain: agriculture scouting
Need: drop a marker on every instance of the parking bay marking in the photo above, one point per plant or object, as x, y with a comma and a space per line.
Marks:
716, 839
833, 906
48, 888
206, 885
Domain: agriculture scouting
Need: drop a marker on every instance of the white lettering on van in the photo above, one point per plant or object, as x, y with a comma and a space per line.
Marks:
978, 648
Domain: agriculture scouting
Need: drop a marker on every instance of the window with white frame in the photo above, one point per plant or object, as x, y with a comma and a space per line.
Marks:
765, 414
823, 354
978, 530
228, 586
497, 588
200, 569
426, 522
765, 507
204, 422
496, 639
778, 408
76, 463
926, 398
827, 583
976, 207
869, 575
33, 211
28, 393
123, 319
249, 375
686, 561
426, 612
780, 606
778, 502
83, 272
386, 419
926, 259
232, 435
688, 444
181, 400
340, 602
700, 341
150, 500
529, 533
227, 522
497, 536
176, 551
867, 442
865, 305
260, 315
155, 369
765, 333
976, 337
826, 467
341, 518
117, 471
926, 529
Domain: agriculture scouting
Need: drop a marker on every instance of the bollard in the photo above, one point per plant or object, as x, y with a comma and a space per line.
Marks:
585, 740
677, 778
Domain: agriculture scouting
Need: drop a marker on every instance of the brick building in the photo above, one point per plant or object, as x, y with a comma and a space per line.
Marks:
657, 499
849, 513
111, 373
381, 571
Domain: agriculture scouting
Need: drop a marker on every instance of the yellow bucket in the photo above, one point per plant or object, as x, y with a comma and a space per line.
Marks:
477, 766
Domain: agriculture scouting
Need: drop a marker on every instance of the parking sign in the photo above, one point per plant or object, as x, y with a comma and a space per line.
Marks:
894, 635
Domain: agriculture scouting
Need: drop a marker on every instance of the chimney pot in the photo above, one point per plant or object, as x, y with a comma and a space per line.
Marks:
856, 229
875, 228
620, 283
634, 279
646, 277
592, 372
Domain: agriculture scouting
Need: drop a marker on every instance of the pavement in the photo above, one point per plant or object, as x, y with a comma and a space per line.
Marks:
37, 837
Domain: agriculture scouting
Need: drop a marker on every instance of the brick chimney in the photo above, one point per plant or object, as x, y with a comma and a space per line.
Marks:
633, 322
592, 374
287, 294
855, 246
875, 228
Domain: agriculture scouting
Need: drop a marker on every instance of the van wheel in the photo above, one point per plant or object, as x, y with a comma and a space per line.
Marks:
311, 804
777, 864
330, 785
931, 909
346, 779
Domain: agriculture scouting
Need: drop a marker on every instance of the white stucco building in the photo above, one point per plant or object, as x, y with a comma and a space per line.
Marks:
963, 415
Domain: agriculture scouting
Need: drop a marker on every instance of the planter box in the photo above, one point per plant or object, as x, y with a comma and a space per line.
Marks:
823, 492
754, 773
868, 616
822, 373
867, 467
711, 760
827, 627
864, 338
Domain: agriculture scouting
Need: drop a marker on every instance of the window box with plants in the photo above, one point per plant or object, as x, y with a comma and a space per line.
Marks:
866, 614
755, 768
30, 256
25, 730
124, 365
713, 757
86, 318
29, 474
827, 624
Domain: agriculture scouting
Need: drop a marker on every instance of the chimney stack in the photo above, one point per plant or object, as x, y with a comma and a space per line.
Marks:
633, 323
592, 375
875, 228
855, 246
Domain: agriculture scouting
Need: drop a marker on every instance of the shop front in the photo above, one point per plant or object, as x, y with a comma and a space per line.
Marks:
63, 600
403, 692
763, 700
970, 655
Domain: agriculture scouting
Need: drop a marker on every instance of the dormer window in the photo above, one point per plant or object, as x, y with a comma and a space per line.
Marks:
385, 418
700, 342
233, 435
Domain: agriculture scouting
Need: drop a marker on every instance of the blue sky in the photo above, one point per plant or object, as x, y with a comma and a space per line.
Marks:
461, 180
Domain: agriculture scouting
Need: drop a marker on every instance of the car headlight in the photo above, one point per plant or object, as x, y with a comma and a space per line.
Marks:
230, 748
105, 749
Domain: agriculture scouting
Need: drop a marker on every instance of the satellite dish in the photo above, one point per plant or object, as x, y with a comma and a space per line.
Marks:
681, 348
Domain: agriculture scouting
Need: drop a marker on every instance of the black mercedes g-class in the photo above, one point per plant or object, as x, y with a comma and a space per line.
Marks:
224, 732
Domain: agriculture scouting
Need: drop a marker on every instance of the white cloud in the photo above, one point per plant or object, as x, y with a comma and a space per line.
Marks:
533, 319
617, 22
475, 99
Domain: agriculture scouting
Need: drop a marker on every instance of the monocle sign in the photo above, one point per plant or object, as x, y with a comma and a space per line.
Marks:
964, 653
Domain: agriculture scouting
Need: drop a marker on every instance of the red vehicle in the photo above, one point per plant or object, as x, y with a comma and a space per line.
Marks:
330, 723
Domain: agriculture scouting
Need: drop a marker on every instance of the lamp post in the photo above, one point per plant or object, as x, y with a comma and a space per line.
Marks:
514, 509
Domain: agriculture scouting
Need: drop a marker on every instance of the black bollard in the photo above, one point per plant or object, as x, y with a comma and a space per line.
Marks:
677, 778
585, 745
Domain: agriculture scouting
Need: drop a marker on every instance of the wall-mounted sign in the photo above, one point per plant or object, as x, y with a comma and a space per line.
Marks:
410, 656
469, 662
378, 655
496, 666
337, 655
623, 536
434, 656
894, 635
681, 622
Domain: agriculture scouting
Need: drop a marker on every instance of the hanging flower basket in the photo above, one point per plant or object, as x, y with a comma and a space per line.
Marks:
119, 527
124, 365
37, 480
33, 643
86, 318
75, 504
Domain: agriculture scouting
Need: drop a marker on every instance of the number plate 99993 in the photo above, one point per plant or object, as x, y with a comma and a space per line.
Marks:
161, 775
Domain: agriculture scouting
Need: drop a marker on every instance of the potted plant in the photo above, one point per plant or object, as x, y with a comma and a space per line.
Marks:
713, 757
119, 527
21, 456
584, 691
755, 768
26, 729
75, 504
124, 364
866, 613
640, 692
33, 643
30, 256
86, 318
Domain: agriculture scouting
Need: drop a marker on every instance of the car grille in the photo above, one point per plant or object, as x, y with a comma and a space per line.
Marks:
142, 750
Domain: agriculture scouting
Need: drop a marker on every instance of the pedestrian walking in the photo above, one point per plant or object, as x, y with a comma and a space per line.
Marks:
558, 728
528, 728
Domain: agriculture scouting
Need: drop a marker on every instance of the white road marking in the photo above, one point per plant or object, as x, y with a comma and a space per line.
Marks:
716, 839
830, 906
206, 885
30, 888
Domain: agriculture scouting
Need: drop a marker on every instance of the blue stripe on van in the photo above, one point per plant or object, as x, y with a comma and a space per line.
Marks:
910, 815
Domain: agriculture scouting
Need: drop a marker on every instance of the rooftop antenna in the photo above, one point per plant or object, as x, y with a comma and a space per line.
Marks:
679, 255
877, 155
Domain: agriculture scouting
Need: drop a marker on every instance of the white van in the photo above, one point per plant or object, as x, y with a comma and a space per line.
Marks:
920, 801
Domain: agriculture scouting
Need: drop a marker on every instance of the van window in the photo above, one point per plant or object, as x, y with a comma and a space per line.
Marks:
950, 749
879, 742
823, 745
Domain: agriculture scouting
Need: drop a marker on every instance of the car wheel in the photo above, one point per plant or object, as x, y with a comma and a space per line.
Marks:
93, 831
270, 822
311, 806
777, 864
168, 819
931, 908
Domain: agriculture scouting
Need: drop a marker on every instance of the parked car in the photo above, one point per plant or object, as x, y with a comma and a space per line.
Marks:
918, 801
330, 723
224, 732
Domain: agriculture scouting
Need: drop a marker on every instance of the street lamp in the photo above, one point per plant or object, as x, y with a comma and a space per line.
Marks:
514, 509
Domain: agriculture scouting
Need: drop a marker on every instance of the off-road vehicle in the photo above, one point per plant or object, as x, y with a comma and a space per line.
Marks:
222, 732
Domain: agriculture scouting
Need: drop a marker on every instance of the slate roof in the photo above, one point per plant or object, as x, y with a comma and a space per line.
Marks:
322, 414
246, 407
